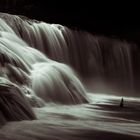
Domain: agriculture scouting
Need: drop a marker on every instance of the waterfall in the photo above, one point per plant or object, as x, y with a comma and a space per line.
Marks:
32, 79
95, 57
45, 61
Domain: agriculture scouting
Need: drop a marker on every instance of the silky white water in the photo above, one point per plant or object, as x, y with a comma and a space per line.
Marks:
42, 96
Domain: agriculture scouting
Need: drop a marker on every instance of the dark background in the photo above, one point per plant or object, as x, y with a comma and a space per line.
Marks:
111, 19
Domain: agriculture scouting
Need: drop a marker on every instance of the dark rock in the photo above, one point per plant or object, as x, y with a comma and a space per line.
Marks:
13, 104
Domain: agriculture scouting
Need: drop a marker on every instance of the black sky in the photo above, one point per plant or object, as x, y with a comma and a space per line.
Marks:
112, 18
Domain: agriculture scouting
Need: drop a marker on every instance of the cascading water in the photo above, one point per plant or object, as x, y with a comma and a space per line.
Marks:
57, 82
33, 75
100, 60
